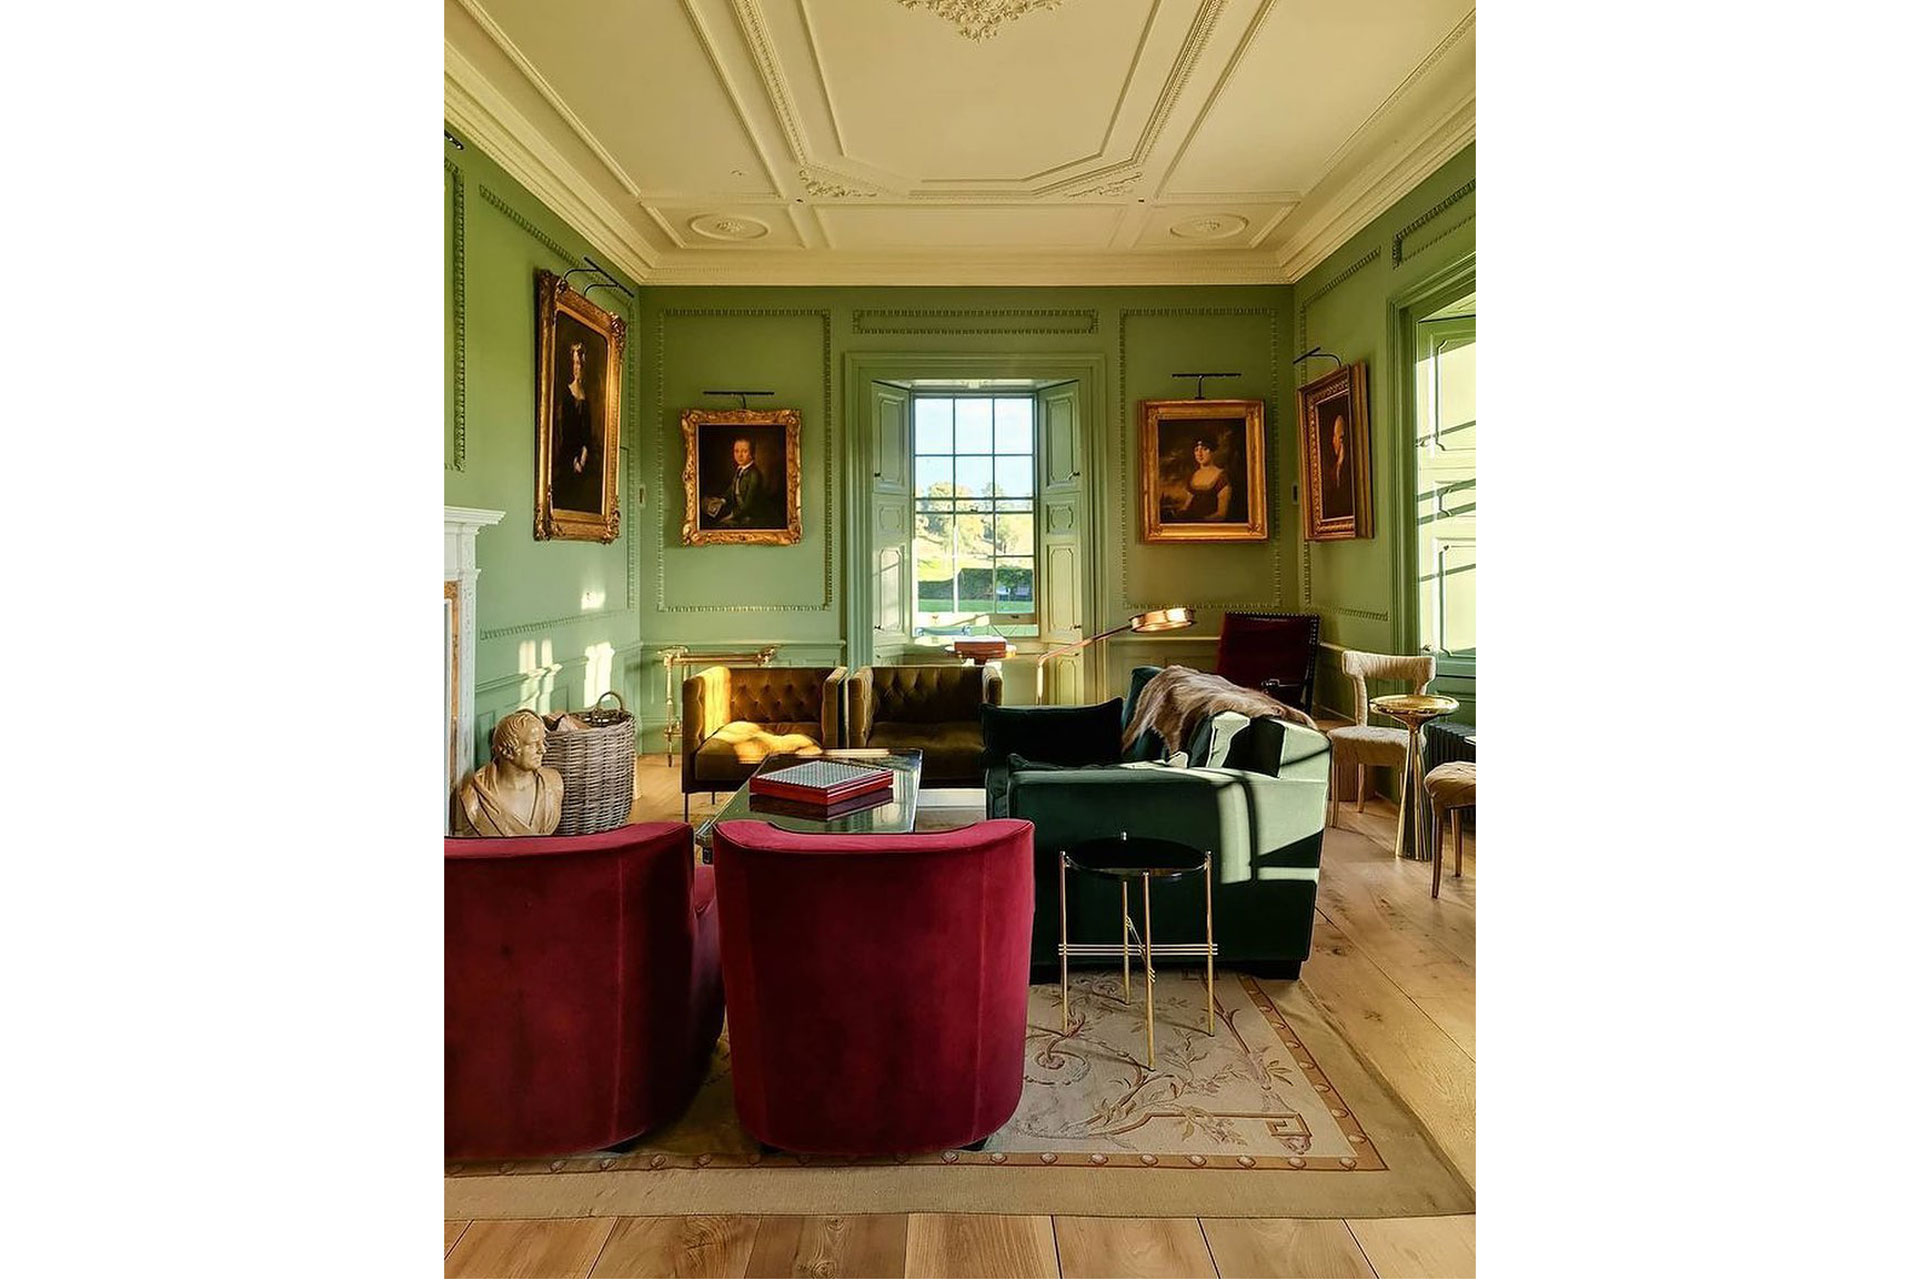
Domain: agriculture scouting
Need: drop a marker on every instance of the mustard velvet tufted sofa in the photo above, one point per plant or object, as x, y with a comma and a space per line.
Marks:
933, 708
732, 718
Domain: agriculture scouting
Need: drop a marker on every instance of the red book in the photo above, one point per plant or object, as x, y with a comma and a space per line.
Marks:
819, 812
821, 782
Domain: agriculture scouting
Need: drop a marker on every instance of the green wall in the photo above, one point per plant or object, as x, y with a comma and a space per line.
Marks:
558, 620
553, 616
800, 343
1353, 304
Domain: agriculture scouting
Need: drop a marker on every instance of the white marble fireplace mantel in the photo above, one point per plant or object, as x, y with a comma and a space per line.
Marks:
462, 589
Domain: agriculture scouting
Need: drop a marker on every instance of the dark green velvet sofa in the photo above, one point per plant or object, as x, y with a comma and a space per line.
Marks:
1254, 793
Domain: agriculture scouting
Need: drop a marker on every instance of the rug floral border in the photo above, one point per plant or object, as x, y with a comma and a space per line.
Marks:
1366, 1159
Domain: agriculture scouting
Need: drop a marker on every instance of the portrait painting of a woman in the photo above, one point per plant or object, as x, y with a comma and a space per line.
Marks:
1207, 470
581, 349
576, 462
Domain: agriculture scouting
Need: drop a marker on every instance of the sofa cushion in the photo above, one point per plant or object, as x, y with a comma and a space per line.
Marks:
948, 751
1056, 735
927, 694
736, 749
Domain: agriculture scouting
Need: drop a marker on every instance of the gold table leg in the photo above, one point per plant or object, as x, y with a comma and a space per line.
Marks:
1063, 943
1206, 878
1126, 947
1146, 906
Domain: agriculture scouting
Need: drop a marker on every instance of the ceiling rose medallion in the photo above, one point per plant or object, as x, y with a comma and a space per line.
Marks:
727, 226
1212, 226
980, 19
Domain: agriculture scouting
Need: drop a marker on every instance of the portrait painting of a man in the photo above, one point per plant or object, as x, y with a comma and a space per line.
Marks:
1335, 464
742, 476
581, 348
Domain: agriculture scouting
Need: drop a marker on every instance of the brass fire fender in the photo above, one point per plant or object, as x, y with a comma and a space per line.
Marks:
680, 656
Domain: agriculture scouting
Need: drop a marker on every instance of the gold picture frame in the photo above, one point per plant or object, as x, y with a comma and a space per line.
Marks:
581, 351
1336, 456
1203, 470
737, 495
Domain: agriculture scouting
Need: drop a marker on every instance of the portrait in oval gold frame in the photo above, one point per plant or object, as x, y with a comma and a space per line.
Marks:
581, 351
1203, 471
742, 476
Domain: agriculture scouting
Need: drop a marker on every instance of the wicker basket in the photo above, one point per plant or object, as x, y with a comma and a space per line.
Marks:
596, 766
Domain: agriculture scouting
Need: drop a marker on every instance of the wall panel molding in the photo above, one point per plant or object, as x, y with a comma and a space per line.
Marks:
459, 286
671, 441
1400, 237
1021, 323
1347, 273
1126, 494
519, 220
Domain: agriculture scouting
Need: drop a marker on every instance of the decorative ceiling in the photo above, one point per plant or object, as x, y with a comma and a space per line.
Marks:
964, 141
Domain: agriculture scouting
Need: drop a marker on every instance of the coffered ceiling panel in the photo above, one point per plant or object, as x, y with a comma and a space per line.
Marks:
637, 80
964, 141
904, 95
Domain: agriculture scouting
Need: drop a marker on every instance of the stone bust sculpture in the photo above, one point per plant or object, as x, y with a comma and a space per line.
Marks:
512, 795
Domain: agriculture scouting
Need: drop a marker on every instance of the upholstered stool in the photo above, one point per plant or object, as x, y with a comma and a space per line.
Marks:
1451, 787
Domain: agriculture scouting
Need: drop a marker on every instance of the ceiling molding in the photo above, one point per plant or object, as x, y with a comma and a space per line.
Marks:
769, 62
524, 65
1371, 194
796, 267
474, 107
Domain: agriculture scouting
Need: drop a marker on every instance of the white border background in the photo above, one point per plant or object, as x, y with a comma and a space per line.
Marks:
222, 915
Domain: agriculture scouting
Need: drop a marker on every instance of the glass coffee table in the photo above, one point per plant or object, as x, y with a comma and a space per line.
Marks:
890, 817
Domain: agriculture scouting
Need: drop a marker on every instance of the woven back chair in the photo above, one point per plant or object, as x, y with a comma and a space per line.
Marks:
1361, 744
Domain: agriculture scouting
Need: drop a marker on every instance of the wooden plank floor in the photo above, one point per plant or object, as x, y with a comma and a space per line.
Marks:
1391, 966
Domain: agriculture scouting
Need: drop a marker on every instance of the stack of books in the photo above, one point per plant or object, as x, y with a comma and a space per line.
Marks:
821, 788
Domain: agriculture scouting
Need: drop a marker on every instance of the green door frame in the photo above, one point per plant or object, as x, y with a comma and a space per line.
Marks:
1448, 284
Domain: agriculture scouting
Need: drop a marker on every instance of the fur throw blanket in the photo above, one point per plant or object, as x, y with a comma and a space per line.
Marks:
1174, 702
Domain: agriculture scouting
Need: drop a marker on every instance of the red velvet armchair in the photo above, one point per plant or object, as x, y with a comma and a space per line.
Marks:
582, 988
876, 985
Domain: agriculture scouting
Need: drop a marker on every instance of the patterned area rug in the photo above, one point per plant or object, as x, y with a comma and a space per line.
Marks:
1270, 1115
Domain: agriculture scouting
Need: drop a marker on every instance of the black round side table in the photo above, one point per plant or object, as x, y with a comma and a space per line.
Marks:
1145, 859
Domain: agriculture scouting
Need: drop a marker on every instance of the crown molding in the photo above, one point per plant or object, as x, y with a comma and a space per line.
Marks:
1377, 175
1374, 192
473, 106
947, 267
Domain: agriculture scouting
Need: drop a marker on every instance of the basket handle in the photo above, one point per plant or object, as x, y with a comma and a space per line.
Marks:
614, 694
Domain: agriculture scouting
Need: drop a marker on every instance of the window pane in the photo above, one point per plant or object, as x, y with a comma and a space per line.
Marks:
933, 477
970, 540
973, 477
973, 426
1013, 586
933, 562
1014, 476
932, 426
1013, 426
1013, 534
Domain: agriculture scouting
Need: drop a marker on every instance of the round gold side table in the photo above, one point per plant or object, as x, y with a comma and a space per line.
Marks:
1413, 710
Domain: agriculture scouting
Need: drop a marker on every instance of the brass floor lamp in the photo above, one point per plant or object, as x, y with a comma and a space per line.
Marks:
1175, 619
